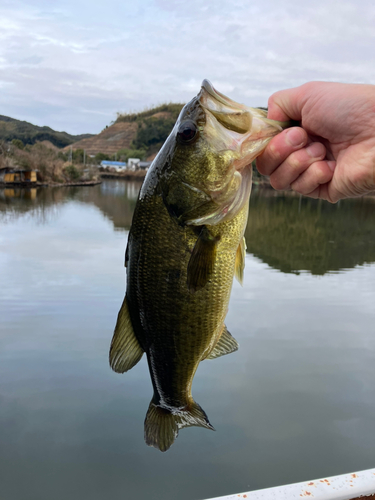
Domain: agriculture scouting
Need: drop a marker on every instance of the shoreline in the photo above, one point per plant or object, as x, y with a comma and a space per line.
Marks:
69, 184
138, 175
48, 184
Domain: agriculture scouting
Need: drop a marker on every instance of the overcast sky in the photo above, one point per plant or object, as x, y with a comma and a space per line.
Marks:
73, 65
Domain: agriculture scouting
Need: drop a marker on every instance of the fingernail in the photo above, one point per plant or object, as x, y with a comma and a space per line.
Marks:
295, 137
315, 150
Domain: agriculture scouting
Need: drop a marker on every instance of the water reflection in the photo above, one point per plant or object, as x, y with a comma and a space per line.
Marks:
115, 199
294, 233
120, 188
297, 401
291, 234
38, 203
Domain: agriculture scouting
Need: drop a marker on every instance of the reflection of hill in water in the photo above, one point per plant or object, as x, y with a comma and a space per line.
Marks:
288, 233
293, 234
116, 199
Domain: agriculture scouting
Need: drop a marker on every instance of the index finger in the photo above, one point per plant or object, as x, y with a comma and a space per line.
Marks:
279, 148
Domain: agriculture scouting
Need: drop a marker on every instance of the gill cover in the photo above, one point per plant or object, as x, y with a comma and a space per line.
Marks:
238, 134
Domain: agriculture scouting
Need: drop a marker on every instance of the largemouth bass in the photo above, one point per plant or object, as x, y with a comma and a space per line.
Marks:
185, 245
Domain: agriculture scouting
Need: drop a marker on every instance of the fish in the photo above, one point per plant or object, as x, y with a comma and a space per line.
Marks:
185, 245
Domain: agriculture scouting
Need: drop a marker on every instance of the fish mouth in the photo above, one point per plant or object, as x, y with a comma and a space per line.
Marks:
232, 115
237, 117
235, 126
218, 96
237, 134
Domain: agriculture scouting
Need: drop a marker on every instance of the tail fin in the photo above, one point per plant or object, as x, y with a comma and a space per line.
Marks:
162, 425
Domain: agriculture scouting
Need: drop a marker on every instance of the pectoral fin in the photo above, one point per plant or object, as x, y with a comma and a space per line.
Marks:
240, 261
125, 351
201, 263
225, 345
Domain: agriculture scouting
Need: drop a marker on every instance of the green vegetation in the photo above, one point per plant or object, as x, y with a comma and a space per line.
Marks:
121, 155
172, 108
62, 156
154, 126
125, 154
153, 132
78, 156
28, 133
101, 156
72, 172
18, 143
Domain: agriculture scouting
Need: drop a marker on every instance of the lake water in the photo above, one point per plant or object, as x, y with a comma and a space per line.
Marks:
296, 402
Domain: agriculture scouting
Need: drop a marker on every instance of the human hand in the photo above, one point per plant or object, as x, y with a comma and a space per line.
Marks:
333, 155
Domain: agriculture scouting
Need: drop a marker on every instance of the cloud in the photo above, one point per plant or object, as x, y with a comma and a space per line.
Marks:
75, 65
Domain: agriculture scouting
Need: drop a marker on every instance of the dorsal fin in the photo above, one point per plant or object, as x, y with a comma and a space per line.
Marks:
125, 351
225, 345
240, 261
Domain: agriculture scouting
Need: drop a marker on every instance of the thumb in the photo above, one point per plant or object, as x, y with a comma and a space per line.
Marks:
287, 104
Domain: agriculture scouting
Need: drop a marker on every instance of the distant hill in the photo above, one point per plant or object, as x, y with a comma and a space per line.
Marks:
10, 129
145, 131
109, 141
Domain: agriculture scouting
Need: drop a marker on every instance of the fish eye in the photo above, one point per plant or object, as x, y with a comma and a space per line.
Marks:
187, 132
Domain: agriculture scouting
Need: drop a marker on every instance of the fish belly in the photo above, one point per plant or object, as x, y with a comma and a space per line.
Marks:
175, 327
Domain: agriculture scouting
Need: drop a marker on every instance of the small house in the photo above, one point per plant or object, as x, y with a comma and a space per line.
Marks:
30, 176
11, 175
133, 163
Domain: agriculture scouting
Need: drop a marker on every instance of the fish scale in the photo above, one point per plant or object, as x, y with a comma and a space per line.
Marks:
185, 245
181, 311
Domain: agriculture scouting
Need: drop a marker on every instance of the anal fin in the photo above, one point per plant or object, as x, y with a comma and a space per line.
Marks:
240, 261
225, 345
125, 351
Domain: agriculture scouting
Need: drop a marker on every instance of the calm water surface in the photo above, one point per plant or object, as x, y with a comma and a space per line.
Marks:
296, 402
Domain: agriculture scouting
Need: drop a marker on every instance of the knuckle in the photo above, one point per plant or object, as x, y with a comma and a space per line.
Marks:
297, 187
276, 183
274, 152
295, 162
302, 186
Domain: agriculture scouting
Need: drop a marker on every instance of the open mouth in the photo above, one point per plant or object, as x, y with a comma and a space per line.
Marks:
223, 99
238, 117
232, 115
